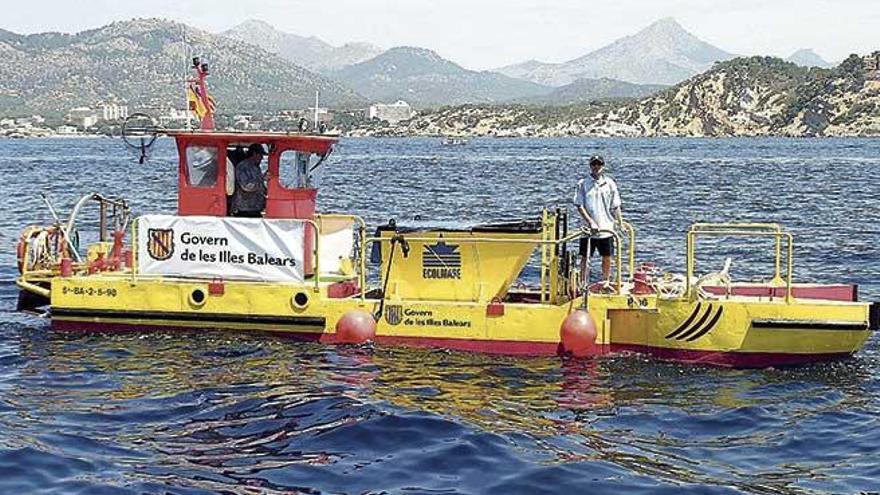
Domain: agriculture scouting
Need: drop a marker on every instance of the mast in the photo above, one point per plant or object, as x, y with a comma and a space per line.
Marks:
316, 110
200, 102
186, 70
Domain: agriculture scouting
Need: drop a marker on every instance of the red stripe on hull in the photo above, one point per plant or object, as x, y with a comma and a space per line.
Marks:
506, 347
839, 292
517, 348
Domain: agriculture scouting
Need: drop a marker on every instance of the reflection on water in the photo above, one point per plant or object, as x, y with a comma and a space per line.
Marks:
211, 410
216, 412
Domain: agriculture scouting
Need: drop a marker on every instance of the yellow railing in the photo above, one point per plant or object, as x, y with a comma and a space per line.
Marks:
742, 230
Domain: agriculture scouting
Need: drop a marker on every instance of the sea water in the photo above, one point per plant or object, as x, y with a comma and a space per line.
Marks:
221, 412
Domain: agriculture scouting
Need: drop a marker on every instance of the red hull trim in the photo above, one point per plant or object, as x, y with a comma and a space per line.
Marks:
515, 348
827, 292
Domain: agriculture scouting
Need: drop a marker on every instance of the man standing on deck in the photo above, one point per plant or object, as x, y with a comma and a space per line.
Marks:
598, 202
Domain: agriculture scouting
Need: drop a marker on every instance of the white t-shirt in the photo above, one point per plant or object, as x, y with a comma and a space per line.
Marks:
600, 198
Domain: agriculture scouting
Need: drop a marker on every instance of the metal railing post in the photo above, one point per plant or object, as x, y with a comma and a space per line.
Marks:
790, 274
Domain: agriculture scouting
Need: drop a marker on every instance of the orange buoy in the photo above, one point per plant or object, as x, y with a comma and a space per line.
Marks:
355, 327
578, 334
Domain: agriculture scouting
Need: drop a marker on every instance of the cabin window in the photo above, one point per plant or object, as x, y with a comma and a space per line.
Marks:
296, 169
201, 165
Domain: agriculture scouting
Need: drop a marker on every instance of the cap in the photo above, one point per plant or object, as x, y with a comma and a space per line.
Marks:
597, 160
256, 148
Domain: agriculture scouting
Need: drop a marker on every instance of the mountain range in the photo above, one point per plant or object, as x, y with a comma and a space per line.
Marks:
256, 67
423, 78
662, 53
142, 62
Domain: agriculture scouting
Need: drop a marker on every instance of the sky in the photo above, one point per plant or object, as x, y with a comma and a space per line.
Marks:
484, 34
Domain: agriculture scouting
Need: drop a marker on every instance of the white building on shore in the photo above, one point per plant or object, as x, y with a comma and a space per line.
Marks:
82, 117
391, 113
112, 111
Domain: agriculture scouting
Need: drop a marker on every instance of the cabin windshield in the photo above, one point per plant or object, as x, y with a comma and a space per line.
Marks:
201, 165
297, 170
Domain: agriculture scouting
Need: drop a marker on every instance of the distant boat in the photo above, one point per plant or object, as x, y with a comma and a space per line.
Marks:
453, 141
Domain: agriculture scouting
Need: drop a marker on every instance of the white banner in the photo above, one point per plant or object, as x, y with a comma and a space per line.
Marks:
220, 247
337, 244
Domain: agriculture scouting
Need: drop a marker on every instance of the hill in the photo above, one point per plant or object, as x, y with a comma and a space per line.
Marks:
422, 78
662, 53
753, 96
141, 62
311, 53
587, 90
759, 96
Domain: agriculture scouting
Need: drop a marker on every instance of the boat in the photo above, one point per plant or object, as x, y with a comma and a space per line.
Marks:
453, 141
306, 274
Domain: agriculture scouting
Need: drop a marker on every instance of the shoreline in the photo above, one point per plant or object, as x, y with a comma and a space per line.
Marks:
468, 137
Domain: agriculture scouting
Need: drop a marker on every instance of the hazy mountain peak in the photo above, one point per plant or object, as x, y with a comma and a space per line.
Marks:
661, 53
664, 25
422, 78
806, 57
310, 52
254, 24
418, 52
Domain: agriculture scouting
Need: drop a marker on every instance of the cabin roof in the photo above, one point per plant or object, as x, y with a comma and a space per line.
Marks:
314, 143
261, 136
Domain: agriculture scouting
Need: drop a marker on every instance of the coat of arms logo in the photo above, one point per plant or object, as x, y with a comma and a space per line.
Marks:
393, 314
160, 243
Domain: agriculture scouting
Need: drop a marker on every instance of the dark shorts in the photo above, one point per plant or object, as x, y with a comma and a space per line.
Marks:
605, 246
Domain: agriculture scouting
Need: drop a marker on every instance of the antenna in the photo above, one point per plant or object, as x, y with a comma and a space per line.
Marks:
186, 73
316, 110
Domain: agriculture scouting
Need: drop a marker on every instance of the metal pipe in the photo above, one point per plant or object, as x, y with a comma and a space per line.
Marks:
102, 225
746, 225
64, 231
36, 289
496, 239
689, 268
778, 262
134, 250
632, 247
790, 273
543, 252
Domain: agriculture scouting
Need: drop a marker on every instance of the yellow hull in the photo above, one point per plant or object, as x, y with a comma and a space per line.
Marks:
736, 331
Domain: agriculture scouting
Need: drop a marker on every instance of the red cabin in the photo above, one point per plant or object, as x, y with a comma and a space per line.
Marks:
207, 161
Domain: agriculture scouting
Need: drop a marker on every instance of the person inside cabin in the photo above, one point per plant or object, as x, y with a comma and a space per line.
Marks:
233, 156
249, 196
598, 203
